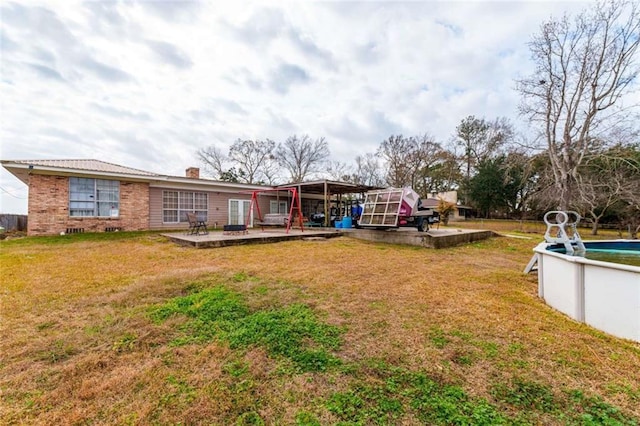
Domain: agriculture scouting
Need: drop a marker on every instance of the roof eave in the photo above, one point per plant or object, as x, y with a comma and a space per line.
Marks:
208, 182
23, 170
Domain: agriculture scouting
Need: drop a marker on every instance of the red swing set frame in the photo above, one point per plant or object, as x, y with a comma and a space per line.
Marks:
295, 206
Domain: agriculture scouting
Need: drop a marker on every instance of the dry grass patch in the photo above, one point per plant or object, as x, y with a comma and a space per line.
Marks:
79, 342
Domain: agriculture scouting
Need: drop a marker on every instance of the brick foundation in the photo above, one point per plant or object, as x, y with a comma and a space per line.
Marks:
49, 208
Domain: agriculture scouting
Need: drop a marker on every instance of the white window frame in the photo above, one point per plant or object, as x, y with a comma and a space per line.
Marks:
278, 207
99, 195
183, 202
245, 204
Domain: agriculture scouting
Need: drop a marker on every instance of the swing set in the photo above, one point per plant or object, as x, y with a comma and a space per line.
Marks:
295, 208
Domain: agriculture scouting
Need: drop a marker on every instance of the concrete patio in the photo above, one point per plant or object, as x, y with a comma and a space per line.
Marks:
253, 236
434, 238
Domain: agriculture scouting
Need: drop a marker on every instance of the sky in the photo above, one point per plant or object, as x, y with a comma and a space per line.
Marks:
145, 84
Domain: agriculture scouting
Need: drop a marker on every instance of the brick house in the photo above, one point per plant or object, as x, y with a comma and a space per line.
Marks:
95, 196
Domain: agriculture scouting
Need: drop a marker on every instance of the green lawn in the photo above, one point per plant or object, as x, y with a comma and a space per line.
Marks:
128, 328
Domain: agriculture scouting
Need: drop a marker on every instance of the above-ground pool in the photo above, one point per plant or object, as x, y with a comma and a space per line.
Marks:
600, 288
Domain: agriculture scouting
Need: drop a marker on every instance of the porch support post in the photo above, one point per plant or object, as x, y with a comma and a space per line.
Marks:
326, 205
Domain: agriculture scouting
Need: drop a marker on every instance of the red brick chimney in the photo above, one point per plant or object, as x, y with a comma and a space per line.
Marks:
193, 173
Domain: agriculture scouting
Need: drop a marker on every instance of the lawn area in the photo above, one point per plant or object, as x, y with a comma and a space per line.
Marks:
129, 328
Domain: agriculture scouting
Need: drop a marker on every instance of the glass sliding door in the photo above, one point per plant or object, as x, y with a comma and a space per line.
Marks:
238, 210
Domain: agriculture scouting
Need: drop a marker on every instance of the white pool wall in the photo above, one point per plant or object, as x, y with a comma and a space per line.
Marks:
602, 294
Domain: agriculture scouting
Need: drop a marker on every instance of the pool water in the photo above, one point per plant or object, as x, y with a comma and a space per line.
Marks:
621, 252
625, 257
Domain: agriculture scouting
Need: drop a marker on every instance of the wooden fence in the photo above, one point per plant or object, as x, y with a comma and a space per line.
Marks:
13, 222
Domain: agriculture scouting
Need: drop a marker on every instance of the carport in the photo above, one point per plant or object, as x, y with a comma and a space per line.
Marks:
328, 189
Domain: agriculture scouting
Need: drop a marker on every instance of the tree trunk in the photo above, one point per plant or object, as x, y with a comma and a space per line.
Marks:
594, 227
565, 186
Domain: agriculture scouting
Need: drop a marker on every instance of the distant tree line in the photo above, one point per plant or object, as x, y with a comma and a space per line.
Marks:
583, 155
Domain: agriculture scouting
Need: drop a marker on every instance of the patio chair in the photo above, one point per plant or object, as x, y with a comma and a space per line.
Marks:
196, 225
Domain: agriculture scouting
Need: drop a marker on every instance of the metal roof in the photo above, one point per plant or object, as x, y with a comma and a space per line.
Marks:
333, 187
88, 165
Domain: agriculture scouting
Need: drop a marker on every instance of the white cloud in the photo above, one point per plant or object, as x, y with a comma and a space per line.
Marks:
145, 84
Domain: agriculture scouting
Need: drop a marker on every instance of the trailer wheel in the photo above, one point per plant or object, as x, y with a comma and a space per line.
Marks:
420, 226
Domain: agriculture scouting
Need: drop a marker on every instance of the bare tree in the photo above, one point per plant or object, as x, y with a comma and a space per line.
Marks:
302, 156
214, 160
500, 134
427, 155
583, 68
405, 158
631, 215
602, 182
397, 151
631, 191
251, 156
338, 170
368, 171
248, 161
271, 170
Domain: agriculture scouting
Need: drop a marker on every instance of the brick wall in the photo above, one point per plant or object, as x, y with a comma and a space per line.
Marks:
49, 208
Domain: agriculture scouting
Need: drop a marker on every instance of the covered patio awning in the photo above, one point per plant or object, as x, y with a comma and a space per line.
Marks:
328, 188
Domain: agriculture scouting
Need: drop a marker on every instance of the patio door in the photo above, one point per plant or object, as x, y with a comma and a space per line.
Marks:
238, 210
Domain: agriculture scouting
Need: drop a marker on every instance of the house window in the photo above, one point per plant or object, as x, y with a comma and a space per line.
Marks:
176, 205
278, 207
94, 197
